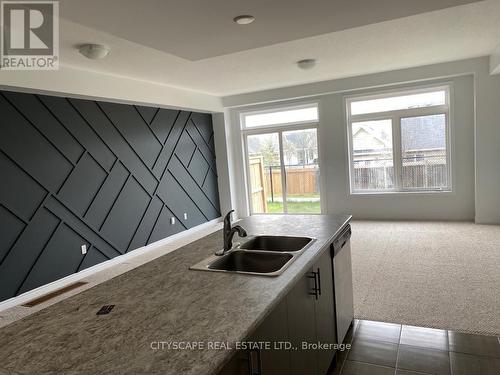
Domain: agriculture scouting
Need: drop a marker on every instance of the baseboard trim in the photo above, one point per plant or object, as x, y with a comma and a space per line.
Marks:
61, 283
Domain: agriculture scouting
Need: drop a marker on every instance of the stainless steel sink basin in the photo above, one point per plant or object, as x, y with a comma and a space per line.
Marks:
276, 243
251, 262
261, 255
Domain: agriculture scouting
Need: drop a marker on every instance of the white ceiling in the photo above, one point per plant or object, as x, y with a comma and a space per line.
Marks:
199, 29
146, 43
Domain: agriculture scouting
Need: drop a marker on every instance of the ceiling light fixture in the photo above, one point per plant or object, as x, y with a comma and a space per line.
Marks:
306, 64
244, 19
94, 51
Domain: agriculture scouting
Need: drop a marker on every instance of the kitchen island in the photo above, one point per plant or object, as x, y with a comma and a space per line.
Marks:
161, 303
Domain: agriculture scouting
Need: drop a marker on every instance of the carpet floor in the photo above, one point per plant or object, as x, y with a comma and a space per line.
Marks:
430, 274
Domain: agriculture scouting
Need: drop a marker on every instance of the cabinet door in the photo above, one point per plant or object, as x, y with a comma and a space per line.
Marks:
325, 311
302, 326
273, 329
238, 365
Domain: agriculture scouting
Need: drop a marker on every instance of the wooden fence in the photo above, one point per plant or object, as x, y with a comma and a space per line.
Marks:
259, 202
265, 182
299, 181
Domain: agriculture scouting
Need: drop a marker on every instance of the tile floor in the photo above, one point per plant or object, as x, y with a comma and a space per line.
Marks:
393, 349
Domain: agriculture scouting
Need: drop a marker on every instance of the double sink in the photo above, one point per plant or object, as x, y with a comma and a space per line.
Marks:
259, 255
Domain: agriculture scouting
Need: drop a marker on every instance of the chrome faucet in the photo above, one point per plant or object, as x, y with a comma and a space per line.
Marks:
228, 233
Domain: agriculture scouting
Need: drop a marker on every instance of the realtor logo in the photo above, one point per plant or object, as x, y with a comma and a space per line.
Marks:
30, 35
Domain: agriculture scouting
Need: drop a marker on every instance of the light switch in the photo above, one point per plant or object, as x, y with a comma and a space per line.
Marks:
185, 216
84, 249
172, 220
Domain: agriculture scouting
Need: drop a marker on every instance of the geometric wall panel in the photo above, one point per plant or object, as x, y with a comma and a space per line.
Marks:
19, 192
192, 189
24, 253
106, 175
198, 167
151, 217
163, 226
31, 150
126, 214
13, 227
141, 138
58, 258
106, 196
82, 184
93, 257
180, 201
186, 149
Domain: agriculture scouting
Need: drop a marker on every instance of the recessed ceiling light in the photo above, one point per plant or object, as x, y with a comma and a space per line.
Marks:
94, 51
244, 19
306, 64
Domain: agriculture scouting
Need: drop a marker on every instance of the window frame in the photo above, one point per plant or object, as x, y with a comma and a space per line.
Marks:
395, 116
279, 129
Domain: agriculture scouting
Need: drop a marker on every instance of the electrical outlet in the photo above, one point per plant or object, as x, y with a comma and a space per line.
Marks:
185, 216
172, 220
84, 249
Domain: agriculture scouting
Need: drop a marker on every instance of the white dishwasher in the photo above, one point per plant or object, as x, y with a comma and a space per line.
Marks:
342, 277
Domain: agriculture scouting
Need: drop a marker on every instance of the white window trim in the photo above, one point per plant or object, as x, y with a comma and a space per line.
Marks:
396, 116
279, 128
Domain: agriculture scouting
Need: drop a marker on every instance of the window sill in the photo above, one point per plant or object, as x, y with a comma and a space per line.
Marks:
423, 192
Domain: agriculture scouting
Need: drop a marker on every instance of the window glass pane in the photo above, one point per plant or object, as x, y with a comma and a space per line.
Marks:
372, 155
265, 173
288, 116
423, 146
300, 151
399, 102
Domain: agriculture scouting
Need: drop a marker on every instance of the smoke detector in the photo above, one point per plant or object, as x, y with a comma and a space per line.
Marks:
94, 51
306, 64
244, 19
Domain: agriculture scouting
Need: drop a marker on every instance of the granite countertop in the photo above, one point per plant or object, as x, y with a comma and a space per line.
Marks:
161, 301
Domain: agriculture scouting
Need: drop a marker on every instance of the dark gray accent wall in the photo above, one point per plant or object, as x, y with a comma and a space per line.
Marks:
109, 176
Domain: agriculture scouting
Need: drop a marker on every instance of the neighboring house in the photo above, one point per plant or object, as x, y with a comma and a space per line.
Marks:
301, 157
423, 150
371, 144
421, 138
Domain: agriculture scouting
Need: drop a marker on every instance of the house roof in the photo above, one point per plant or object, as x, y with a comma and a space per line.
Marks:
376, 132
423, 133
417, 133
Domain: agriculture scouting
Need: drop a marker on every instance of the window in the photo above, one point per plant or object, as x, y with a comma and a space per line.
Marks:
282, 160
400, 141
373, 155
295, 115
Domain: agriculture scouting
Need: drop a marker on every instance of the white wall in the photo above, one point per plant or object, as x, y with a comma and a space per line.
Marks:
487, 147
224, 158
458, 205
475, 189
93, 85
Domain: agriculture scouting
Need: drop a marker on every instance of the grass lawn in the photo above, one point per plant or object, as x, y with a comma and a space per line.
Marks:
295, 207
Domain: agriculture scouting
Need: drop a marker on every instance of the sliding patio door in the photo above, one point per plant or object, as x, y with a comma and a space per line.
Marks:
283, 174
